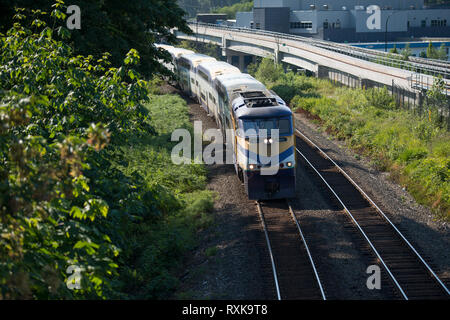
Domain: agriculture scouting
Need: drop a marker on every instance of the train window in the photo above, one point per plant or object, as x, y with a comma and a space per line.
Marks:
266, 125
203, 75
285, 126
183, 63
255, 126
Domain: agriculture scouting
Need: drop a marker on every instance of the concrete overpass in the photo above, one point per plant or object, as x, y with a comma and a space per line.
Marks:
324, 59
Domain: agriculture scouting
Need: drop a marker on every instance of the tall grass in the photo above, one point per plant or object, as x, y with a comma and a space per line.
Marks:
155, 246
415, 150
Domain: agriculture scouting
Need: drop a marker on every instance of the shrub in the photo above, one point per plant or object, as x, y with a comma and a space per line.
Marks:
58, 114
380, 98
82, 178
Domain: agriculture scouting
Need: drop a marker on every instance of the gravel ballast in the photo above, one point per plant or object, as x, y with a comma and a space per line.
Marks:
232, 263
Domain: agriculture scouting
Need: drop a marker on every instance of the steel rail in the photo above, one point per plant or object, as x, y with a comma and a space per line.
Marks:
358, 227
379, 211
316, 274
261, 215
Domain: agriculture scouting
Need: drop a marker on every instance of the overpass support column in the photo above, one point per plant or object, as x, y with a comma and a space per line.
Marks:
236, 59
242, 62
322, 72
277, 56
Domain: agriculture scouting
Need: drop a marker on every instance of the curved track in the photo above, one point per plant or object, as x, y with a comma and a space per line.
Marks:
293, 268
411, 275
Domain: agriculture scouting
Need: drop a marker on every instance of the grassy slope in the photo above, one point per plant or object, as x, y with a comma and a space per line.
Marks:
155, 247
415, 150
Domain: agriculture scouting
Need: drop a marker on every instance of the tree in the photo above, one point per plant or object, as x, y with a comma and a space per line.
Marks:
431, 51
406, 53
231, 11
58, 113
114, 26
394, 49
441, 53
192, 7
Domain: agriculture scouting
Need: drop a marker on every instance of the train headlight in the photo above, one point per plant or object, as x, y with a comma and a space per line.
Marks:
268, 141
252, 167
289, 164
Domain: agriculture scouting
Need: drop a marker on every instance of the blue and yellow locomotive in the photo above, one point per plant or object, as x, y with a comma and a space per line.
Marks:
260, 122
266, 162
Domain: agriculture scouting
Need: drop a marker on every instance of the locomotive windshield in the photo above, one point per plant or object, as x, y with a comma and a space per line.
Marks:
255, 126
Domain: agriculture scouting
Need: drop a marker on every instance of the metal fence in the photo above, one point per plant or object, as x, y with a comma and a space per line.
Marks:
417, 102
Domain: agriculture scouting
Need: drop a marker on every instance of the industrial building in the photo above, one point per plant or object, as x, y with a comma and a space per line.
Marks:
349, 21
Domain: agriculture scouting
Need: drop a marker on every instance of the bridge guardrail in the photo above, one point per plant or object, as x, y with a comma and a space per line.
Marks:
430, 67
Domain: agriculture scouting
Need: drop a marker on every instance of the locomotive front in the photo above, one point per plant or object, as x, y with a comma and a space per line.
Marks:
265, 149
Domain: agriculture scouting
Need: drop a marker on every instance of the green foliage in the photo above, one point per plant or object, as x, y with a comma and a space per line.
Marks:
85, 176
431, 51
436, 99
230, 11
286, 85
380, 98
439, 54
414, 149
192, 7
58, 113
111, 26
155, 246
394, 50
442, 52
209, 49
269, 72
406, 52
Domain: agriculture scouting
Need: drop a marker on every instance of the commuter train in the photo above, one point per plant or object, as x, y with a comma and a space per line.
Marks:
242, 105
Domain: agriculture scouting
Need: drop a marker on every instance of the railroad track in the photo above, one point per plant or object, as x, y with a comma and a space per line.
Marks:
294, 273
411, 275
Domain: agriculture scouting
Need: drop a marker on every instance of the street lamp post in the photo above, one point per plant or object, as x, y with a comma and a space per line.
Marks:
385, 32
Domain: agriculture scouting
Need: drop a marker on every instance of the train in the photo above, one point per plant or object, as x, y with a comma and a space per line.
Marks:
264, 161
